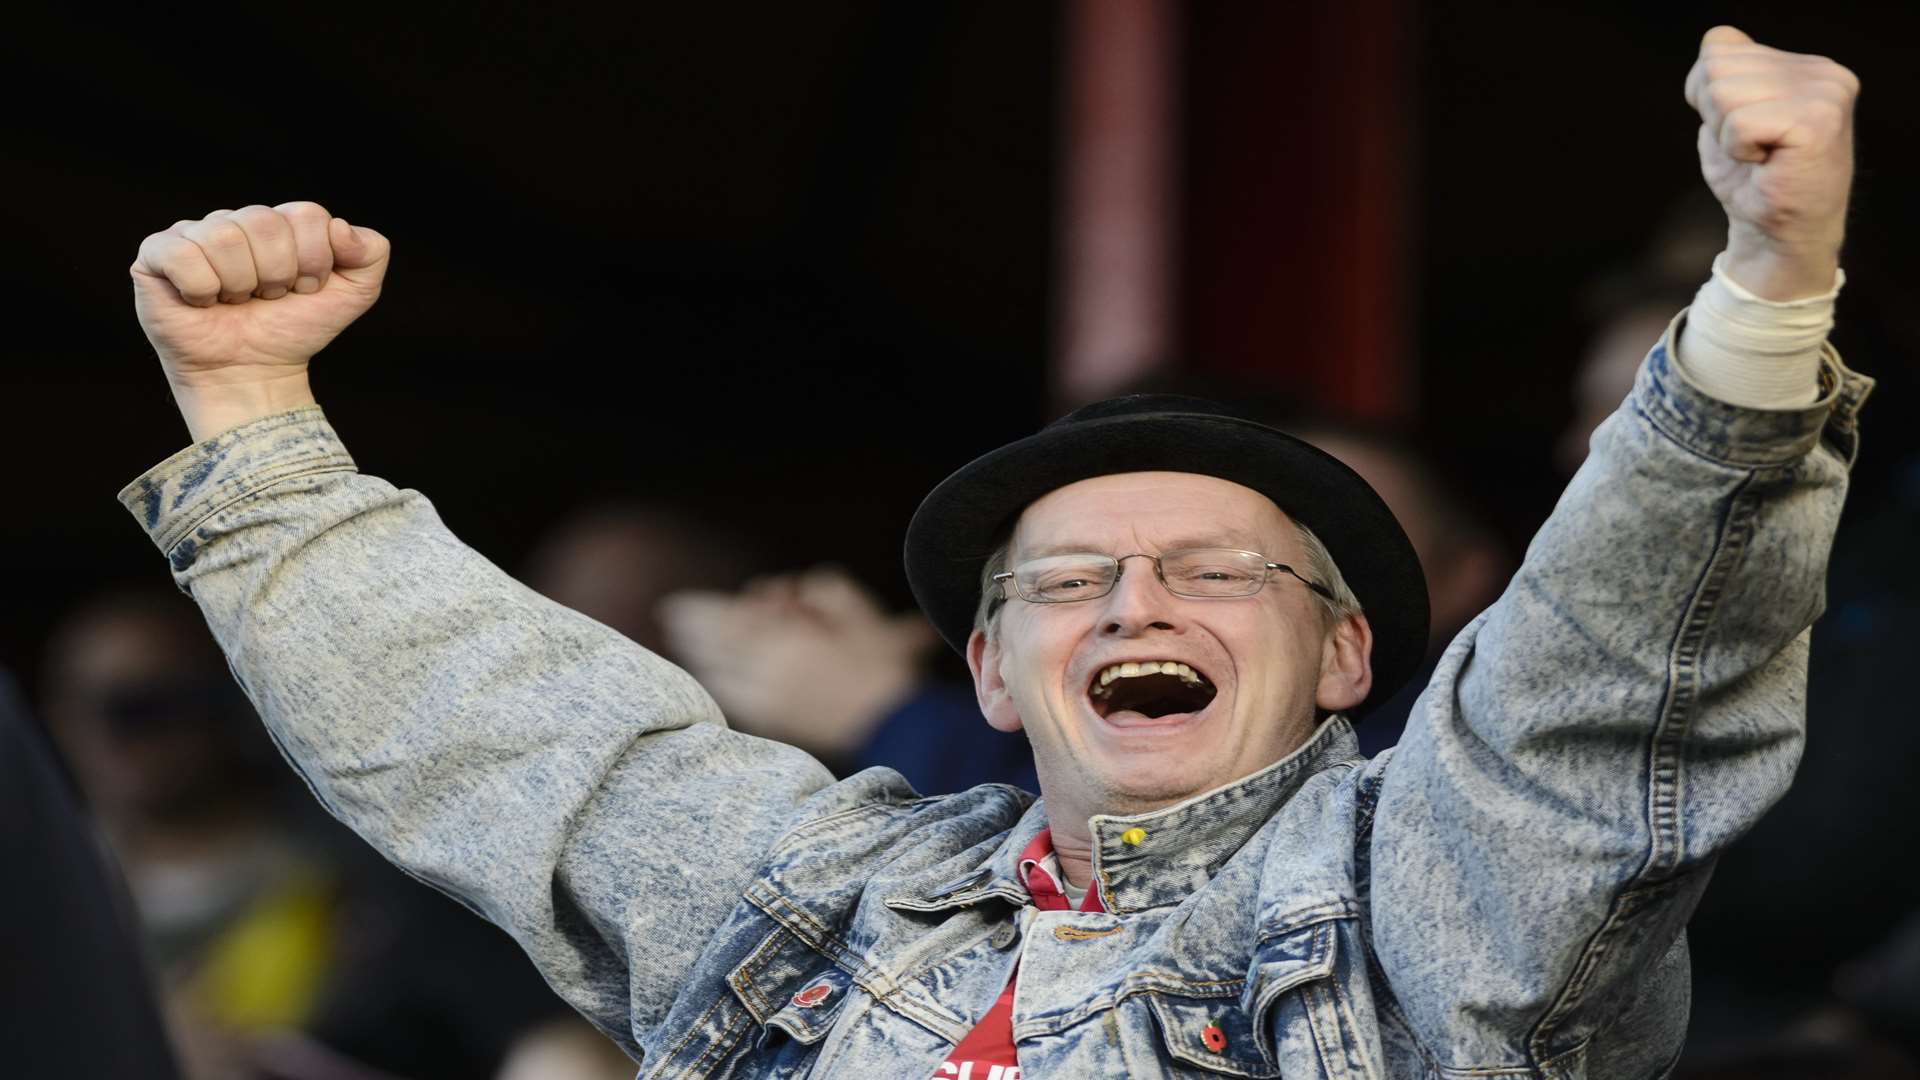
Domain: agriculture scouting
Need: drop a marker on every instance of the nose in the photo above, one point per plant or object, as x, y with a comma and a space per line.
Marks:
1139, 601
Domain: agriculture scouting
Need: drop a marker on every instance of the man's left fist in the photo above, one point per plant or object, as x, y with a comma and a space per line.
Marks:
1776, 147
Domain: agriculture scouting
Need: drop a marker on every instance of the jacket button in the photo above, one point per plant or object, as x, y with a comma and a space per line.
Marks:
1004, 935
1134, 837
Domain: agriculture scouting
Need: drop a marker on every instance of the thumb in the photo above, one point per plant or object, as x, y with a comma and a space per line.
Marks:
356, 248
1725, 35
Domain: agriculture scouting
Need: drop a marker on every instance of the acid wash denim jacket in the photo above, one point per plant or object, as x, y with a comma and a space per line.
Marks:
1502, 896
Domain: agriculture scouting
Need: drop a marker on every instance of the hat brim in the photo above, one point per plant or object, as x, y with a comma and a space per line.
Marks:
960, 523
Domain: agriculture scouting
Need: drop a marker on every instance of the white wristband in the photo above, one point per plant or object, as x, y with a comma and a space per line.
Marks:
1751, 352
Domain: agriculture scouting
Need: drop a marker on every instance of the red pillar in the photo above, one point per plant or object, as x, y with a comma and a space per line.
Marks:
1117, 276
1297, 157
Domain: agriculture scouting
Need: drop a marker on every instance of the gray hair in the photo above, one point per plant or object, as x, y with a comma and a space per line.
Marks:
1319, 568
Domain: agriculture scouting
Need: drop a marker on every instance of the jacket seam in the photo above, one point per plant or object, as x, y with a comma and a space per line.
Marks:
726, 1035
1663, 775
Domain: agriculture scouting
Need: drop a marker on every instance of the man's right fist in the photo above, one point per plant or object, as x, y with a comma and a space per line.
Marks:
238, 302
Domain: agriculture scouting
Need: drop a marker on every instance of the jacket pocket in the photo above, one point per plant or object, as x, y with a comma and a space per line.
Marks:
1305, 1013
794, 992
1214, 1035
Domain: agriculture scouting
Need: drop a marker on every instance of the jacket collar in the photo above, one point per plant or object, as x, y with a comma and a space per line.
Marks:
1175, 850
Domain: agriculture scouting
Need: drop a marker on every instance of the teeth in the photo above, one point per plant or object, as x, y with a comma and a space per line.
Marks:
1133, 669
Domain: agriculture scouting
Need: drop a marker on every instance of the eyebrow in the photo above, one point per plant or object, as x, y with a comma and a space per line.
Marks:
1236, 541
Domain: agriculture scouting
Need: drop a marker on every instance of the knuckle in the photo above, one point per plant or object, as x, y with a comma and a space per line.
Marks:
302, 212
261, 221
223, 233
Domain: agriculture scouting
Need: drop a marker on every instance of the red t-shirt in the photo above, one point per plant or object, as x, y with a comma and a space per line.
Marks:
987, 1051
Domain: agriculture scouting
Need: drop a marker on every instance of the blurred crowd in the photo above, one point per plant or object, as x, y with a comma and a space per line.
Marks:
187, 896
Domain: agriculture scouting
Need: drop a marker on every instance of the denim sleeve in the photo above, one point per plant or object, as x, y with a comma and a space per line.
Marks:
1631, 704
568, 785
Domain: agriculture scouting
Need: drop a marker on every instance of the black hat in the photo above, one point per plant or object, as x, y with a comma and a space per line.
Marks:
972, 511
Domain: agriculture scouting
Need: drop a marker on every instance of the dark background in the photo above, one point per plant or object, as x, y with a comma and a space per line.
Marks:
792, 263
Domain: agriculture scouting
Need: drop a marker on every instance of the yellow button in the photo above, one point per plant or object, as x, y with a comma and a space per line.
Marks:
1134, 837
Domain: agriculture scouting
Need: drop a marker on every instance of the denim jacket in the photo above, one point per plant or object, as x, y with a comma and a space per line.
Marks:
1502, 896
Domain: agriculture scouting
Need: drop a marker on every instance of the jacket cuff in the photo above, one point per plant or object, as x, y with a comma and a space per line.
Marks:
177, 496
1748, 437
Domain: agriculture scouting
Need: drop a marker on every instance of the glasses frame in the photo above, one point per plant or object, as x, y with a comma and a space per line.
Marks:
1006, 577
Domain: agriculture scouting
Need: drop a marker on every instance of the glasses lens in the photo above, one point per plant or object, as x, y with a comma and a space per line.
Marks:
1060, 578
1213, 572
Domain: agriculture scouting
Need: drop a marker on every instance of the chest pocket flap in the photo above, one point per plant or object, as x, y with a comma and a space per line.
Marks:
1285, 961
1214, 1034
789, 987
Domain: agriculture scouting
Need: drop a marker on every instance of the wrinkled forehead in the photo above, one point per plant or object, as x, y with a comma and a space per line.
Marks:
1152, 511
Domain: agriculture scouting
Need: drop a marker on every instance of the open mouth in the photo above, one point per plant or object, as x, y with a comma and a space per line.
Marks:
1149, 690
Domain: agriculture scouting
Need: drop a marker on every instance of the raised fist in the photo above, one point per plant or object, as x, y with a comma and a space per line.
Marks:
1776, 147
238, 302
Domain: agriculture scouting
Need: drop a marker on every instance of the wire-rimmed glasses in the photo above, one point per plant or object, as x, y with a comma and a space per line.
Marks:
1193, 572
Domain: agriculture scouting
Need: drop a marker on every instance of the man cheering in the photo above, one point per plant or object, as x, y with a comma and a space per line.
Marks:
1181, 609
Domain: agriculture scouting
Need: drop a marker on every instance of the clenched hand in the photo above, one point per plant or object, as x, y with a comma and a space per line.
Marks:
237, 303
1776, 147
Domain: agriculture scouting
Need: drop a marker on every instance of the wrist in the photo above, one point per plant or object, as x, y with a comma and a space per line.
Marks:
1780, 271
212, 409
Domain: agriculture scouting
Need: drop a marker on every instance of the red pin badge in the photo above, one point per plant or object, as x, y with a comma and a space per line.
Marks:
1215, 1039
813, 995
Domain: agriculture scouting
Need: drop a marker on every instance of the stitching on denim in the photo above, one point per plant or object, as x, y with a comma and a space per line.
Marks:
823, 935
255, 484
1565, 1061
1174, 982
723, 1045
1663, 761
693, 1032
1295, 921
1350, 1024
744, 986
1074, 933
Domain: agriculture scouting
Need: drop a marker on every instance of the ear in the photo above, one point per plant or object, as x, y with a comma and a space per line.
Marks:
996, 702
1346, 665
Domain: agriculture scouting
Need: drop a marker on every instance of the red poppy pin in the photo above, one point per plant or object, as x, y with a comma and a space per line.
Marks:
1215, 1038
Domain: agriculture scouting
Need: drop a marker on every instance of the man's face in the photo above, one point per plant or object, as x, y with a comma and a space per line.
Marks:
1268, 659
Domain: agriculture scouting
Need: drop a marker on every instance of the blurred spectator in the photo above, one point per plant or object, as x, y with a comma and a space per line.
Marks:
811, 659
1630, 310
614, 562
567, 1048
280, 952
232, 906
74, 995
